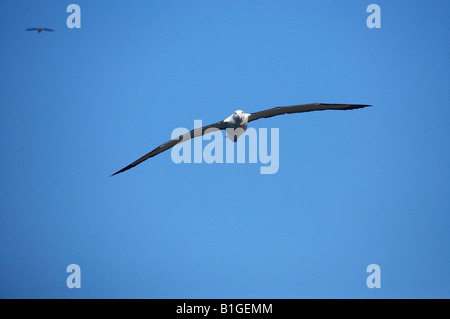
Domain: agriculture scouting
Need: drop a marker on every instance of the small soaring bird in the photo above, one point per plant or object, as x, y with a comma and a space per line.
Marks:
239, 120
39, 29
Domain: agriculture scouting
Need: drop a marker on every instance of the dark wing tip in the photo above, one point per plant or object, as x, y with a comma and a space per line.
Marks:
347, 106
45, 29
361, 105
350, 105
136, 162
122, 170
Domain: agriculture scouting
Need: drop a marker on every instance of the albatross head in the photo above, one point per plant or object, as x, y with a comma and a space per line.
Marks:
238, 115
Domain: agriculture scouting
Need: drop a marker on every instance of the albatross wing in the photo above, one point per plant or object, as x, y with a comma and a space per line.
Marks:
182, 138
302, 108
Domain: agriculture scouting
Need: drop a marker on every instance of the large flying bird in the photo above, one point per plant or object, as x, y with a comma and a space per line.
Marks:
39, 29
239, 119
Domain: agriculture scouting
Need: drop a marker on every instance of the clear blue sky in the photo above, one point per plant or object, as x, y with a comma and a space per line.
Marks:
354, 188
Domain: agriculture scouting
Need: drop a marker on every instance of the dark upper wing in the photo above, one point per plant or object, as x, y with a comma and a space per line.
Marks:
45, 29
302, 108
31, 29
182, 138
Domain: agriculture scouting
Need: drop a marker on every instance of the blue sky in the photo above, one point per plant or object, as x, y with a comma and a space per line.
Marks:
354, 188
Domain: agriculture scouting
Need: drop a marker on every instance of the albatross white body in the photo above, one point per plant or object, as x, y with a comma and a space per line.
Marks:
238, 121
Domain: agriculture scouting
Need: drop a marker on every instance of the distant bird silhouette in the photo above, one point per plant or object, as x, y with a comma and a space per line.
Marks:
39, 29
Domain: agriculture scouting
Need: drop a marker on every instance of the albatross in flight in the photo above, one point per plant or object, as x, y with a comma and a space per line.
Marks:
239, 119
39, 29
